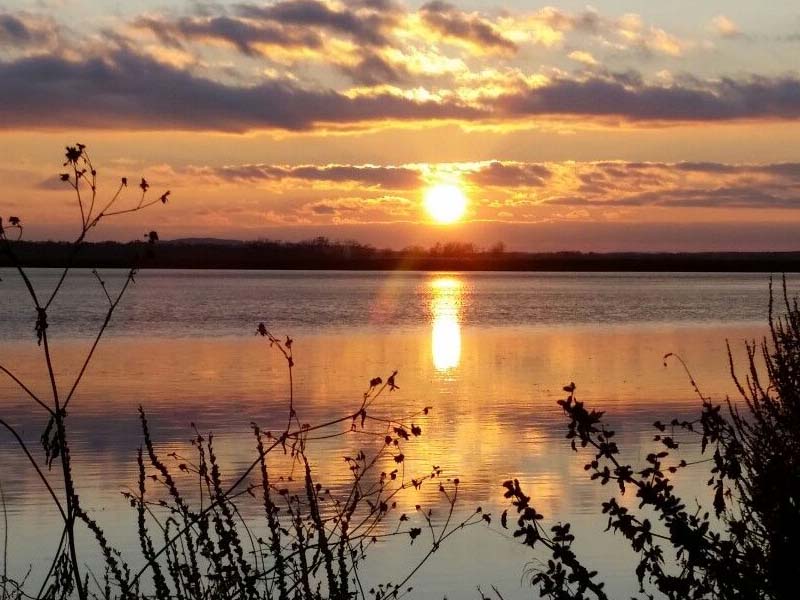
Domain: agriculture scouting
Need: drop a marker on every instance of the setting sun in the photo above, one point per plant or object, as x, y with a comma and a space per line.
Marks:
445, 203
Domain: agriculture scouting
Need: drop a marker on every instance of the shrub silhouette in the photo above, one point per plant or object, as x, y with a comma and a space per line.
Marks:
745, 544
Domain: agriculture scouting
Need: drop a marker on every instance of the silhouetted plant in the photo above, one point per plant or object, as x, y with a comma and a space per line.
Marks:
744, 545
317, 537
82, 177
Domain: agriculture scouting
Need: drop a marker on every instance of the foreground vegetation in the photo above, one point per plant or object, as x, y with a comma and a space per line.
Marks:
199, 546
741, 546
195, 543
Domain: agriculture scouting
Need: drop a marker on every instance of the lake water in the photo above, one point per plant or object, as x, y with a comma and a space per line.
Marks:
488, 352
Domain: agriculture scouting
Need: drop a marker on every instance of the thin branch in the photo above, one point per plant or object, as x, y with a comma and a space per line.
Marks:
25, 388
32, 460
99, 335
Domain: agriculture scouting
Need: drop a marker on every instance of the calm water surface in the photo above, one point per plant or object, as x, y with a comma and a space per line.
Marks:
489, 353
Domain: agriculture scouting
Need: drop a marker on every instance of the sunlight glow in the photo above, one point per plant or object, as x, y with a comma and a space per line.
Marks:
446, 328
445, 203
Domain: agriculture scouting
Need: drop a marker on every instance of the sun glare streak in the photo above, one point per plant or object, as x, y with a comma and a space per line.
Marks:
445, 203
446, 326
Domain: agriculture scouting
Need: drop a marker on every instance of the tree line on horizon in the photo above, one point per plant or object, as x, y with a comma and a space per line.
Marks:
324, 253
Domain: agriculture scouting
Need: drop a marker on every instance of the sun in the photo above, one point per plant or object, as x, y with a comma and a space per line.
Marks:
445, 203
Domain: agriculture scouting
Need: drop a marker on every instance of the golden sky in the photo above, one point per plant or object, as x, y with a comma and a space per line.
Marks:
620, 126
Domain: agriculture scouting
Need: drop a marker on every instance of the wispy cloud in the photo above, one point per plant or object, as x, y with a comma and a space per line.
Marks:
363, 21
389, 177
630, 98
725, 27
247, 37
25, 31
455, 25
499, 174
680, 185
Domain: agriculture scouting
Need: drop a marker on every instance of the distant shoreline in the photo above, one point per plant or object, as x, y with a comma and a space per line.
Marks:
324, 255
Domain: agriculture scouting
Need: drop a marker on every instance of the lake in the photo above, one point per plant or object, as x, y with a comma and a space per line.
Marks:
489, 352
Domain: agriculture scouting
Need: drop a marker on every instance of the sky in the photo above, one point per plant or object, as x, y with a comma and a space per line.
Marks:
616, 125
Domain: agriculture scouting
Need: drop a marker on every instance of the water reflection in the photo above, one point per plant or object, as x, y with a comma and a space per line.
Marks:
446, 327
497, 419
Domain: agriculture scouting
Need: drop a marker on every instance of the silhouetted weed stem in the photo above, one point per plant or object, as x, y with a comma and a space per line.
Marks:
285, 348
5, 543
117, 567
162, 592
304, 570
107, 319
444, 534
36, 468
79, 162
274, 527
54, 562
55, 438
27, 390
169, 482
229, 536
324, 547
102, 285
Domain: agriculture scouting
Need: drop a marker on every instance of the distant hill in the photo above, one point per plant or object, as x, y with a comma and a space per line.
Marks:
321, 253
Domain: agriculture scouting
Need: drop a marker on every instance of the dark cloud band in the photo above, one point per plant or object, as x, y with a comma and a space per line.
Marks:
725, 100
128, 91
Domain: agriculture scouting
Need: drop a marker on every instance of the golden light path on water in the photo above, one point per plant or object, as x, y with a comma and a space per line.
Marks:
446, 325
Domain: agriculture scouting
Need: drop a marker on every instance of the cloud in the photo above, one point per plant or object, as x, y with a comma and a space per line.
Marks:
623, 34
454, 24
719, 100
14, 32
501, 174
582, 57
390, 177
373, 69
165, 82
726, 197
522, 192
788, 170
724, 27
630, 32
247, 37
125, 90
361, 210
498, 186
365, 22
292, 31
25, 31
678, 185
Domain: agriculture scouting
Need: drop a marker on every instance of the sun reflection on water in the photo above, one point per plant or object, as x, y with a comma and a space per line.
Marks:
446, 327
